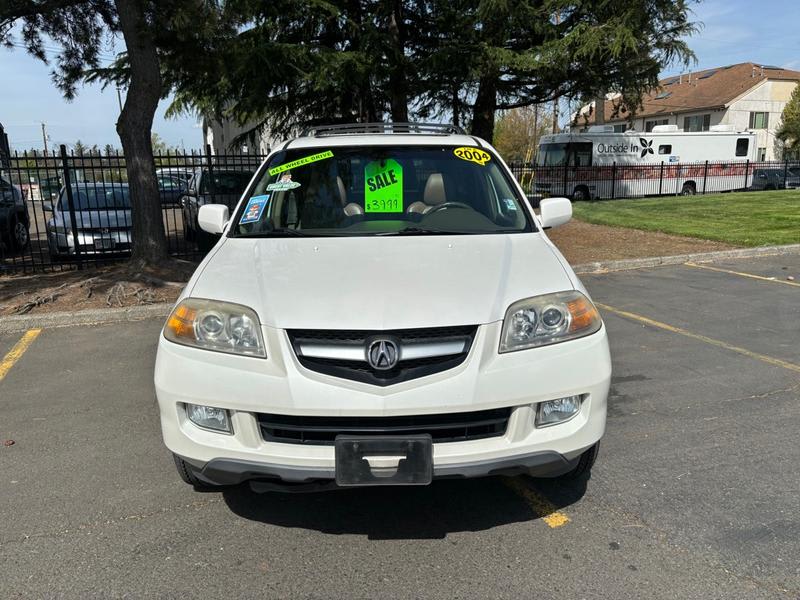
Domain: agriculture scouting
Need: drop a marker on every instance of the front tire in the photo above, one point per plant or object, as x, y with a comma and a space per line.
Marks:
688, 189
18, 236
186, 473
584, 467
580, 194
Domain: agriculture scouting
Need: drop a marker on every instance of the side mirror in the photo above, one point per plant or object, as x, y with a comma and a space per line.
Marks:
47, 206
212, 217
555, 212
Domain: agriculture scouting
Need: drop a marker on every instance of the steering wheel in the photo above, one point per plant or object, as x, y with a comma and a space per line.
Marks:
444, 205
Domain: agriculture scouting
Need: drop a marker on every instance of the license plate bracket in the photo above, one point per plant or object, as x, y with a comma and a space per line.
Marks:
384, 460
104, 243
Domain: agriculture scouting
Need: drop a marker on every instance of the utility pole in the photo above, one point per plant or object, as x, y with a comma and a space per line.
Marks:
44, 137
555, 100
119, 100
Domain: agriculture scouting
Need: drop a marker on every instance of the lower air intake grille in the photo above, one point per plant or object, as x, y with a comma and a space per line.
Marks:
454, 427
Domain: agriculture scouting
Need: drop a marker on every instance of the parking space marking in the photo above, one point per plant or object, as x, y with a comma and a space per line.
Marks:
10, 359
546, 511
740, 274
696, 336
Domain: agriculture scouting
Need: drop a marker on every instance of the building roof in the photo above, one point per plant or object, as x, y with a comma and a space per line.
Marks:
701, 90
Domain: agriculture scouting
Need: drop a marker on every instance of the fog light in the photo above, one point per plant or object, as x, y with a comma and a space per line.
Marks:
208, 417
557, 411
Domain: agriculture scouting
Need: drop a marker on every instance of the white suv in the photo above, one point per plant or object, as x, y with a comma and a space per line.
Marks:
383, 308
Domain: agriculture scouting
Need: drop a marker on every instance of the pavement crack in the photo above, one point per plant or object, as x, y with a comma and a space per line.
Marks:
94, 525
792, 388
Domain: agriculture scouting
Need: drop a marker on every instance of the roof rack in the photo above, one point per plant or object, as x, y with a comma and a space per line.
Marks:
371, 128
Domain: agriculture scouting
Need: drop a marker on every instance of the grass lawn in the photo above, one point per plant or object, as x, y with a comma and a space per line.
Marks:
740, 218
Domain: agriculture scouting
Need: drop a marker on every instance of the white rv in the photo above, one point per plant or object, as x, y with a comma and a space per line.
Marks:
603, 164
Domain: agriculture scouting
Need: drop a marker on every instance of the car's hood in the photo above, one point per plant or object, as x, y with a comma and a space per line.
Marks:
93, 219
381, 282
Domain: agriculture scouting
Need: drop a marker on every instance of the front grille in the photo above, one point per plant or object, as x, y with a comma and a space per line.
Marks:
360, 370
455, 427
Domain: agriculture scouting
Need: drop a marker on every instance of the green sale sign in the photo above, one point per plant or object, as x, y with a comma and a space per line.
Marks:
383, 187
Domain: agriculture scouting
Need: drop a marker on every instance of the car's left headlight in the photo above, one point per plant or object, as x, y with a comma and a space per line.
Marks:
548, 319
216, 325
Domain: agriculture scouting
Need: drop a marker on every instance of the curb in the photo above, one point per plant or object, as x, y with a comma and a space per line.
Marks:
17, 323
679, 259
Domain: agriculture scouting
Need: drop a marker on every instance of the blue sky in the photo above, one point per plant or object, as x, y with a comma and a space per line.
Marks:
734, 31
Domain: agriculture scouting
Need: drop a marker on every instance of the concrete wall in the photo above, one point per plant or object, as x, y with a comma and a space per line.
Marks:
220, 136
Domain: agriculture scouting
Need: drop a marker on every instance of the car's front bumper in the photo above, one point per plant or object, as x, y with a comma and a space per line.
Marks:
280, 385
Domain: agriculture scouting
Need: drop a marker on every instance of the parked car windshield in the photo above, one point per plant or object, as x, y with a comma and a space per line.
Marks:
382, 190
225, 182
111, 197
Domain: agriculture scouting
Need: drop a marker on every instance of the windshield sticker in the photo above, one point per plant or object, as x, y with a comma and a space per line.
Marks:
254, 209
383, 187
284, 183
301, 161
510, 204
475, 155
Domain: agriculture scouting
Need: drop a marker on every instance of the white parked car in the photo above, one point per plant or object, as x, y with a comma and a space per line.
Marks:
383, 308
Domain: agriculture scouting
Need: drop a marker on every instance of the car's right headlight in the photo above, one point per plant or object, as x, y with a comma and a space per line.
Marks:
548, 319
216, 325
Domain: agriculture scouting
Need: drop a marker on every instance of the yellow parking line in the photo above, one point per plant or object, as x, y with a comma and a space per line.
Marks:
740, 274
540, 505
17, 351
696, 336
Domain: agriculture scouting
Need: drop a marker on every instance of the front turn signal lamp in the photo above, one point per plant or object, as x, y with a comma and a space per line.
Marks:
548, 319
216, 325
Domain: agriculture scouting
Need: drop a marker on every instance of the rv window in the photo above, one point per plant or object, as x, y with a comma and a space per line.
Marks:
551, 155
665, 149
580, 154
742, 145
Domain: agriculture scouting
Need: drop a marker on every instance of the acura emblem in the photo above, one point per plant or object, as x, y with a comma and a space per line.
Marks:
383, 354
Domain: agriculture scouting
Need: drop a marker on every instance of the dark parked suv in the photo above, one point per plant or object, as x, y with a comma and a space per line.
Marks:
211, 186
14, 221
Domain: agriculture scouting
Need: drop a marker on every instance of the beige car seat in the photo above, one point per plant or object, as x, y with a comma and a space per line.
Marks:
433, 196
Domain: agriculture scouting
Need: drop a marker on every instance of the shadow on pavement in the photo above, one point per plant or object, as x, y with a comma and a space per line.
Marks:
389, 513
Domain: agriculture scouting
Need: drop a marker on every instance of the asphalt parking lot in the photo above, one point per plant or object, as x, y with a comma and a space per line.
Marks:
694, 495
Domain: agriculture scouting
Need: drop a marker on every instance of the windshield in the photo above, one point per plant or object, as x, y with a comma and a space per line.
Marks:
552, 155
225, 182
97, 198
382, 190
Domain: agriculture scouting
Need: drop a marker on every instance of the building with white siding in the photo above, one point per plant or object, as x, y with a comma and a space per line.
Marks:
746, 95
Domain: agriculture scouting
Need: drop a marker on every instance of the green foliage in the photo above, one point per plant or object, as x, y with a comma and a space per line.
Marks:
294, 63
789, 132
742, 218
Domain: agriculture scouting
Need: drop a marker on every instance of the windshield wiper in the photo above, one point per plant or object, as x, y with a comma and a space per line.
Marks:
425, 231
277, 232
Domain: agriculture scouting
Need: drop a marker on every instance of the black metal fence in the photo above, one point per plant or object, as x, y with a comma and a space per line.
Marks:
62, 211
616, 181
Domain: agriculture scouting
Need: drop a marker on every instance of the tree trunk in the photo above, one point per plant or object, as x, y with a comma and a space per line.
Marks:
485, 107
398, 89
134, 127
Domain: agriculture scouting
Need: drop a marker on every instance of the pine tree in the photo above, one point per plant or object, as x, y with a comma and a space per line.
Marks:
789, 132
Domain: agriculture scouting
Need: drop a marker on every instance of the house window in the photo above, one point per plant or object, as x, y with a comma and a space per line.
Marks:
742, 146
697, 123
762, 154
665, 149
759, 120
648, 126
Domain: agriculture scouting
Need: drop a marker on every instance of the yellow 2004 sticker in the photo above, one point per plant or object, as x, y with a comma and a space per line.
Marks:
475, 155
